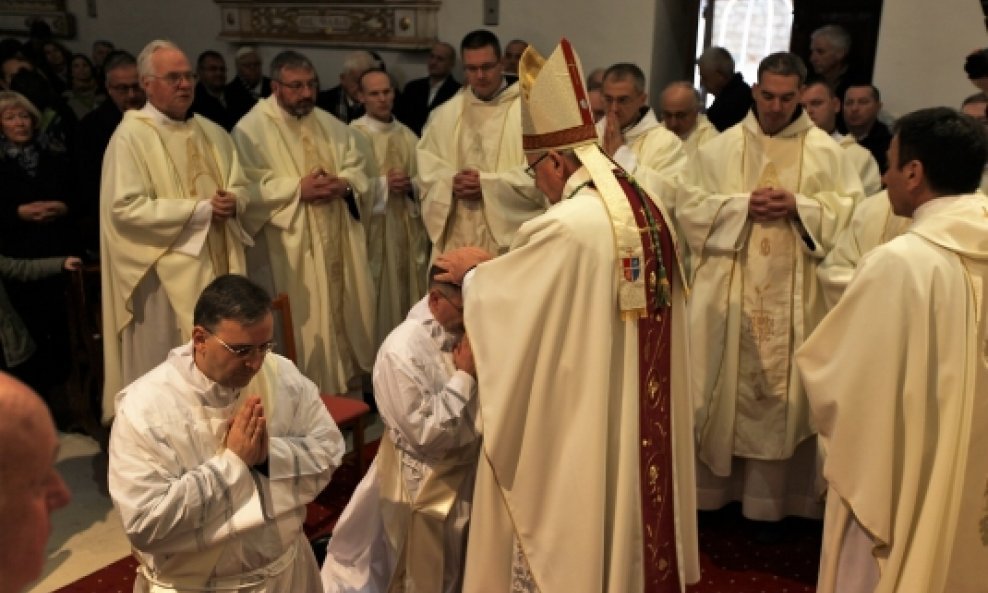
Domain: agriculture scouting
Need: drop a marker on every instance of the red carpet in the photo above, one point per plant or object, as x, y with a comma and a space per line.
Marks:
731, 560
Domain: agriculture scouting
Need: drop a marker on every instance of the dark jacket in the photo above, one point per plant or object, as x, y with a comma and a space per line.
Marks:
239, 99
53, 181
211, 108
732, 104
334, 101
414, 108
95, 130
877, 142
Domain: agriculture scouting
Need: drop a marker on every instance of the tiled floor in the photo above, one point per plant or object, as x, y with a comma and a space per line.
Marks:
87, 534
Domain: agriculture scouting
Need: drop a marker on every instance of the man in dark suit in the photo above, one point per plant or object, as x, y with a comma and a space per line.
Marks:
210, 94
342, 100
248, 85
425, 94
124, 90
732, 94
862, 103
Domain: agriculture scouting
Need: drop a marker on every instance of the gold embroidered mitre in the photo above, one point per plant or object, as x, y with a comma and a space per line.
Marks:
555, 114
555, 109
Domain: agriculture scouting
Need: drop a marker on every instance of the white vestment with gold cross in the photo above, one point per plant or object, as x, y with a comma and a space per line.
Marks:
756, 297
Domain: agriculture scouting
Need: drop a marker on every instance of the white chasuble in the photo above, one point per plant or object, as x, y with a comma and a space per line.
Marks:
755, 295
897, 378
481, 135
397, 243
159, 249
561, 415
466, 132
768, 263
316, 253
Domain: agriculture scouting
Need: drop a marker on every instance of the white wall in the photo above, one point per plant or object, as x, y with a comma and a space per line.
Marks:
921, 49
602, 32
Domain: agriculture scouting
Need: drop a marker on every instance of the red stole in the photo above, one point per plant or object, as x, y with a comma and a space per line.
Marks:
661, 571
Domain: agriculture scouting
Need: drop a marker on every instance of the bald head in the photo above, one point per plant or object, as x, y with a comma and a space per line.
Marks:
30, 488
680, 105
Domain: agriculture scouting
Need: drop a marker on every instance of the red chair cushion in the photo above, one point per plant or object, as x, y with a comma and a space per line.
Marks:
344, 410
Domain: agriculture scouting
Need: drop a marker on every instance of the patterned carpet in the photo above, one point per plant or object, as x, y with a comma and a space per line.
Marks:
734, 557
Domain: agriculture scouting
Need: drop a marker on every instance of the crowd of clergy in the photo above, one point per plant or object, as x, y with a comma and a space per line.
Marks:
415, 235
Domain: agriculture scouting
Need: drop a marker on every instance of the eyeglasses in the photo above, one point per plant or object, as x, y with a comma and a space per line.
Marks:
300, 84
126, 89
530, 170
245, 350
172, 79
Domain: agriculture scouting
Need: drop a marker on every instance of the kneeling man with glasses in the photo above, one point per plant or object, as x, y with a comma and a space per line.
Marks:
215, 453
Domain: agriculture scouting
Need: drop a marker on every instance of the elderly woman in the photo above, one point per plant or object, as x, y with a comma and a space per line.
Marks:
35, 188
34, 223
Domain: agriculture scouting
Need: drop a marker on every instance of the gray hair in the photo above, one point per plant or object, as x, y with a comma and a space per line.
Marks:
359, 61
624, 71
718, 59
783, 63
144, 67
118, 59
837, 35
289, 60
10, 99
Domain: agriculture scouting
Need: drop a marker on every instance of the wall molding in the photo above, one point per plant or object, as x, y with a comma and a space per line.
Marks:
16, 17
386, 24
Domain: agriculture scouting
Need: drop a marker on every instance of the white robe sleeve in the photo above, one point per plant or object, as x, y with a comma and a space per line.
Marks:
308, 448
167, 507
430, 421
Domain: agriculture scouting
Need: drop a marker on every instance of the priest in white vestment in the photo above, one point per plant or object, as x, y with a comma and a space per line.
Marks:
632, 135
897, 379
585, 479
215, 453
872, 224
823, 107
311, 193
397, 243
767, 199
172, 199
471, 167
680, 110
406, 524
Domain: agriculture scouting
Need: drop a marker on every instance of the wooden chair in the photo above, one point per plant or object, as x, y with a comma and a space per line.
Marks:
86, 340
347, 412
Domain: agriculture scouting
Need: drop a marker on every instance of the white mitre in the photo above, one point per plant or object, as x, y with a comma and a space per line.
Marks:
555, 115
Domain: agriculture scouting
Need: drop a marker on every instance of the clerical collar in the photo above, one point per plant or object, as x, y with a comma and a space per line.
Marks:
160, 118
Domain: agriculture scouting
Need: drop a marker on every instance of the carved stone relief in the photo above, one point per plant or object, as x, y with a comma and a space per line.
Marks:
16, 17
398, 24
